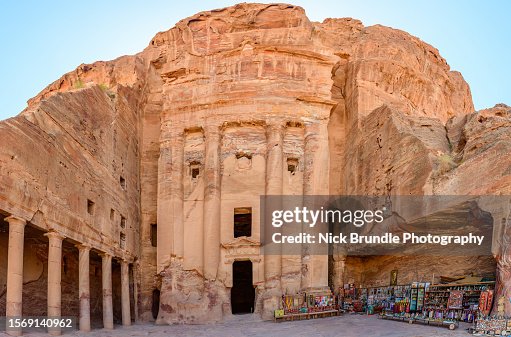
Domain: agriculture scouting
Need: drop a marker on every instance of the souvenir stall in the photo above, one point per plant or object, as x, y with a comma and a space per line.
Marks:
448, 304
307, 305
348, 298
393, 299
491, 325
458, 301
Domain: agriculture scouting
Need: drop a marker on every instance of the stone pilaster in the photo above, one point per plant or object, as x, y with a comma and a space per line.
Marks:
274, 186
125, 293
316, 182
84, 286
211, 202
15, 269
135, 289
339, 263
165, 244
54, 278
106, 274
176, 192
274, 176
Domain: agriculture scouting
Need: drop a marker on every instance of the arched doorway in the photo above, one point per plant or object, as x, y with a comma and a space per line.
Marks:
242, 292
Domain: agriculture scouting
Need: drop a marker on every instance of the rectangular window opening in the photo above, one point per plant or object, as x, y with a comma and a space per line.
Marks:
195, 172
123, 222
242, 221
195, 169
292, 165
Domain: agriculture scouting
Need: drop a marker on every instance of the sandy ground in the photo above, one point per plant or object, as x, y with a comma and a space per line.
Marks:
245, 326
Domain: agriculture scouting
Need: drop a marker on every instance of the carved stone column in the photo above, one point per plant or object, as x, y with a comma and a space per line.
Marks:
165, 244
125, 293
339, 263
274, 173
211, 202
274, 186
316, 182
135, 290
84, 286
54, 278
15, 269
106, 274
176, 192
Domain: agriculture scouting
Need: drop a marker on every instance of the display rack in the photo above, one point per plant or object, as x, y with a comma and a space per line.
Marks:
394, 299
450, 324
455, 301
494, 326
307, 305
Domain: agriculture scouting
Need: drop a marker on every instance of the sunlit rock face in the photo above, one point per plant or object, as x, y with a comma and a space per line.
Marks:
182, 139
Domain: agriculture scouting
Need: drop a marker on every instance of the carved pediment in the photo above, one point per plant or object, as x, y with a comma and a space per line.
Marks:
241, 242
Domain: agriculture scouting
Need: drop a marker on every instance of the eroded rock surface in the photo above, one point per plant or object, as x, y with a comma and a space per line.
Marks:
186, 124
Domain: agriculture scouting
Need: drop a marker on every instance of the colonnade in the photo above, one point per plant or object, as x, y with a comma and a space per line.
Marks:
14, 299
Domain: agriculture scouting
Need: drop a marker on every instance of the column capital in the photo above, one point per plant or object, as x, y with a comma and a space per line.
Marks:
316, 130
211, 129
54, 235
275, 127
105, 255
177, 137
170, 135
14, 220
339, 258
83, 246
177, 132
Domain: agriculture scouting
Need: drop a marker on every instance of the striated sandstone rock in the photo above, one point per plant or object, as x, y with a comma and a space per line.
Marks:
187, 123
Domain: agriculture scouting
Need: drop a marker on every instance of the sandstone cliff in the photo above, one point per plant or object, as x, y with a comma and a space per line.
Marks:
399, 122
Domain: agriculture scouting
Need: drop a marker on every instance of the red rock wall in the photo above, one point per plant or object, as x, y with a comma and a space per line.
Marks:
375, 271
386, 94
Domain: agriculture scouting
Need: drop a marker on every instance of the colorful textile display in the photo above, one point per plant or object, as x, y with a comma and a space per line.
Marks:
455, 299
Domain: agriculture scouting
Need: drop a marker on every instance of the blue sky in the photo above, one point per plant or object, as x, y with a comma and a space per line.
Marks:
42, 40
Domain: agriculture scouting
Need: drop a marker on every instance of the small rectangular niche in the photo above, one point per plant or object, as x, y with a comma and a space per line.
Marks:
242, 221
123, 222
292, 165
122, 182
90, 206
112, 214
194, 170
243, 161
154, 235
122, 241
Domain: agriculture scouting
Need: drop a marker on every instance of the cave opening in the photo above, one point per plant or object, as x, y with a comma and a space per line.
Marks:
243, 291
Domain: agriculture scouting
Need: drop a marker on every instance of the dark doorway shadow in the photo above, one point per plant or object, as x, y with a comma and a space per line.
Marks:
242, 292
